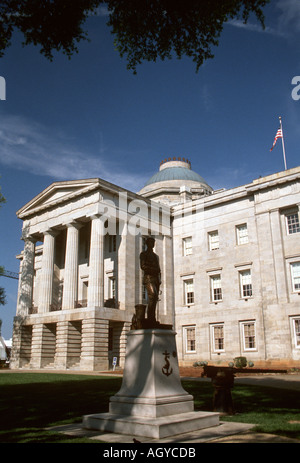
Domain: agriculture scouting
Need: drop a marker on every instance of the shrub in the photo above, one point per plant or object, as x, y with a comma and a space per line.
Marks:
201, 363
240, 362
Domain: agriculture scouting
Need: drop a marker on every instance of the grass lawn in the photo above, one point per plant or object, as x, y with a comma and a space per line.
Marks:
274, 411
32, 402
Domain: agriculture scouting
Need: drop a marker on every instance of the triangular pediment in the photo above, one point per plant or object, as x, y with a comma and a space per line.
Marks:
57, 193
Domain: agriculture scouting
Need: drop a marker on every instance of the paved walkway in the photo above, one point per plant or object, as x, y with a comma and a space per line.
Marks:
225, 433
281, 381
290, 381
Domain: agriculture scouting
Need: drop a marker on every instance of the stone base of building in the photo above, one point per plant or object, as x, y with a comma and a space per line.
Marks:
70, 340
151, 401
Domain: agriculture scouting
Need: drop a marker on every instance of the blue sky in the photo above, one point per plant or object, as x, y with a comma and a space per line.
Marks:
91, 117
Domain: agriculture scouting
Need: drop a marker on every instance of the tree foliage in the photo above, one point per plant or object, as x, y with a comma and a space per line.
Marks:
2, 199
50, 24
143, 29
2, 291
166, 28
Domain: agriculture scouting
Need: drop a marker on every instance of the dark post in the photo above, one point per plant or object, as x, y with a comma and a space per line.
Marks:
222, 400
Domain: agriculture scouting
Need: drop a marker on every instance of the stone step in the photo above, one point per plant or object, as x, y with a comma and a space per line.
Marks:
148, 427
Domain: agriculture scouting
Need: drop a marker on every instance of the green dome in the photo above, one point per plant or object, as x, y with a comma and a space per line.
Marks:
174, 182
175, 173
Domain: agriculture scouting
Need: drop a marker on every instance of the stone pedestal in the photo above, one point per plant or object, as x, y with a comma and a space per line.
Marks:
151, 401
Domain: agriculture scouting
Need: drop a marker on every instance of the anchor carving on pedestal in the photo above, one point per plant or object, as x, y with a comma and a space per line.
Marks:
166, 367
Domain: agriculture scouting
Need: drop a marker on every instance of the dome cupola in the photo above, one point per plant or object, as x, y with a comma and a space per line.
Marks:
175, 181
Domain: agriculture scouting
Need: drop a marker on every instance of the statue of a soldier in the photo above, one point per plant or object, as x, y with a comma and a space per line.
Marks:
149, 262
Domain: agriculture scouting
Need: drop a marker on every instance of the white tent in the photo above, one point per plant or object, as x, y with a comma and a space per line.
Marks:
4, 345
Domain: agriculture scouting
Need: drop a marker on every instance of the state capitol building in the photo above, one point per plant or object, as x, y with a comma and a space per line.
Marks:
230, 267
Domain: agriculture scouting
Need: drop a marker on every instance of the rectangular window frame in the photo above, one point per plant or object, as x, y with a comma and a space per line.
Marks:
217, 342
213, 240
247, 336
216, 293
296, 332
295, 276
246, 289
292, 222
189, 339
242, 235
187, 246
189, 296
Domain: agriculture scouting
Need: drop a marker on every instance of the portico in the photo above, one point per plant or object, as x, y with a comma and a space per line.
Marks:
78, 283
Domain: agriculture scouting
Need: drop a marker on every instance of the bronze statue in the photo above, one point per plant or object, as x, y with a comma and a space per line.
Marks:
149, 262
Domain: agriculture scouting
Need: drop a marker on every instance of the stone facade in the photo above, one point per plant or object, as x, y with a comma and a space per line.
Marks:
230, 262
244, 299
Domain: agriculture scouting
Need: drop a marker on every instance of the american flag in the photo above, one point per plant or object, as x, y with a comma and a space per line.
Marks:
278, 135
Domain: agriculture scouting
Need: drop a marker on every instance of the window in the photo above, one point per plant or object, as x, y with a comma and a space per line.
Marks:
112, 243
217, 334
245, 284
189, 291
85, 286
190, 339
292, 223
295, 270
110, 338
86, 245
112, 288
216, 289
144, 293
187, 246
248, 334
242, 234
213, 240
296, 330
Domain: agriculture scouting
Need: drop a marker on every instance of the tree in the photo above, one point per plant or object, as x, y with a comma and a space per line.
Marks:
166, 28
2, 199
2, 291
143, 29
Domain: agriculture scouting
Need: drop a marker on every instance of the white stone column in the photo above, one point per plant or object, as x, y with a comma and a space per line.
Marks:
71, 267
167, 287
96, 264
46, 275
37, 346
26, 280
128, 260
126, 271
61, 354
94, 344
123, 342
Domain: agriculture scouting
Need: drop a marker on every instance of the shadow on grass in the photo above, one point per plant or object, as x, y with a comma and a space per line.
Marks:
32, 402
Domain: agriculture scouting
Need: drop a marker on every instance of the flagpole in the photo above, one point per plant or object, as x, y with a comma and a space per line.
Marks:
282, 140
